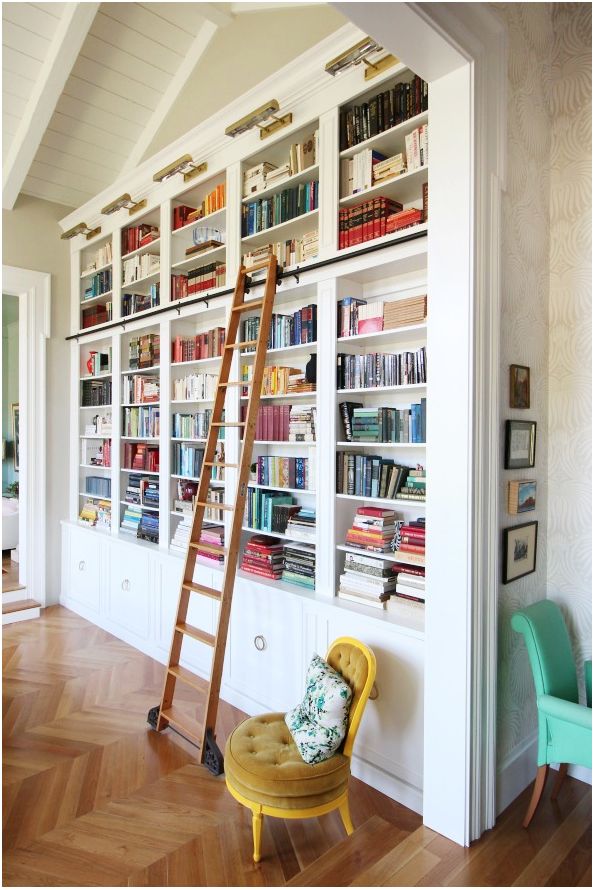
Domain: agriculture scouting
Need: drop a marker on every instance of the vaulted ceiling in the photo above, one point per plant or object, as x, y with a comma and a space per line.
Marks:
86, 86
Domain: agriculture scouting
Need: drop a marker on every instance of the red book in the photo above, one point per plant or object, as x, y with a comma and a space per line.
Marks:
375, 511
412, 548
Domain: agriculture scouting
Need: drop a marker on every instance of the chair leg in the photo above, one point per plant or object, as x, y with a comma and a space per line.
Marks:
256, 822
345, 814
540, 781
563, 769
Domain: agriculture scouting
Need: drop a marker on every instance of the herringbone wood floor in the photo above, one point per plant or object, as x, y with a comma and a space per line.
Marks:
92, 797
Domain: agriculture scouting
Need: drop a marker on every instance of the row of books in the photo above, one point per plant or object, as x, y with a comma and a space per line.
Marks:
140, 266
184, 504
197, 280
192, 426
215, 200
275, 381
365, 221
101, 283
291, 252
187, 459
269, 511
144, 422
356, 316
95, 452
142, 490
370, 475
285, 472
96, 392
97, 314
383, 111
208, 344
411, 538
99, 362
98, 485
132, 303
102, 256
144, 351
285, 330
364, 424
286, 205
140, 523
96, 513
135, 237
141, 456
195, 387
141, 388
381, 369
301, 156
417, 148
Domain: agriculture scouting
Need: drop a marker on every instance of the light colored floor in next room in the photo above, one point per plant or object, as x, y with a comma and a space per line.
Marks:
91, 796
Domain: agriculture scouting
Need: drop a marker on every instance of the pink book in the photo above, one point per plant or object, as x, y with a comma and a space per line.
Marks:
370, 325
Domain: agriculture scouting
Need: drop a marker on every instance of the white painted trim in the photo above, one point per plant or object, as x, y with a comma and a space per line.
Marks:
62, 54
21, 615
216, 15
193, 55
34, 292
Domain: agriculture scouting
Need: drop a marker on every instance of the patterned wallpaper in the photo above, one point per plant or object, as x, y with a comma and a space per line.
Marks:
569, 437
524, 331
546, 324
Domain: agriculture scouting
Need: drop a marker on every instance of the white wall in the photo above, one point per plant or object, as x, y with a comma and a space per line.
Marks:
31, 240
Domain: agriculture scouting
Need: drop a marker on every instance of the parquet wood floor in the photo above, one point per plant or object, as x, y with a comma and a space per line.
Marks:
92, 797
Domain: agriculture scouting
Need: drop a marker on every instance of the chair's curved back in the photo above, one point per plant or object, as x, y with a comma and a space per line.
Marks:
357, 665
549, 649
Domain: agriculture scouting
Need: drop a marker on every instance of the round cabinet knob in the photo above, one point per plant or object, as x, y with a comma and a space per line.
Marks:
81, 565
125, 584
260, 643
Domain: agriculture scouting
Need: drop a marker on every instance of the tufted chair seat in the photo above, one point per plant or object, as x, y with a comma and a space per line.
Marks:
265, 771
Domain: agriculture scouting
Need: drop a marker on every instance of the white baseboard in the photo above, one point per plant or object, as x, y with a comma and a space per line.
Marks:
518, 771
388, 784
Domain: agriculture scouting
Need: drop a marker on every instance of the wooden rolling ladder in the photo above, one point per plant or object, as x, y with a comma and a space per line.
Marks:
168, 714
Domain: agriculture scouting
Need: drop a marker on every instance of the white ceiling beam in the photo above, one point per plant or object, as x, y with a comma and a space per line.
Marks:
195, 52
213, 13
63, 52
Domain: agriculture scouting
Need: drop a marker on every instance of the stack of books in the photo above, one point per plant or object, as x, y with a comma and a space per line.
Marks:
389, 167
297, 382
150, 494
98, 314
373, 529
263, 556
299, 566
133, 493
277, 175
88, 513
254, 179
144, 351
148, 527
411, 583
195, 387
213, 536
414, 487
182, 533
403, 219
288, 253
411, 538
131, 520
398, 313
302, 423
367, 581
301, 525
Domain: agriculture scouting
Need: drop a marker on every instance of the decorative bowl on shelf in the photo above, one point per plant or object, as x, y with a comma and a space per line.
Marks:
203, 234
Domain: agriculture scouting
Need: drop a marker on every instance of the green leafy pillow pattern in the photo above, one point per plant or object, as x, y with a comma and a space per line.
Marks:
318, 725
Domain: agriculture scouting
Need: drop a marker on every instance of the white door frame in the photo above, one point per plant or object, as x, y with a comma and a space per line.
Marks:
461, 49
33, 290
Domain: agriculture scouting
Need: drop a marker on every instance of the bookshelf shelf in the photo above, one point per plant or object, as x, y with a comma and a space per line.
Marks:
279, 443
217, 216
92, 301
147, 370
390, 557
372, 390
214, 482
146, 248
297, 221
287, 395
282, 535
400, 502
199, 259
139, 404
96, 436
390, 141
147, 279
387, 239
391, 335
93, 497
405, 188
140, 471
403, 445
94, 467
140, 507
282, 350
139, 438
96, 408
304, 176
91, 272
183, 439
281, 488
192, 401
194, 362
102, 376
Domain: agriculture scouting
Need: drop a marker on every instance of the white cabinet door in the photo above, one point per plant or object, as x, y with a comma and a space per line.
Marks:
84, 568
129, 596
265, 648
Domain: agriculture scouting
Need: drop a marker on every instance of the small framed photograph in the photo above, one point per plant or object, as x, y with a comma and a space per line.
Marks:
519, 444
522, 495
519, 551
519, 391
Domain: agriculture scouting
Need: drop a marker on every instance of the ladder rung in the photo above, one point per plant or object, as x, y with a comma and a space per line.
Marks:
236, 383
190, 631
187, 677
227, 423
208, 548
240, 345
214, 504
187, 725
262, 264
203, 591
218, 463
244, 307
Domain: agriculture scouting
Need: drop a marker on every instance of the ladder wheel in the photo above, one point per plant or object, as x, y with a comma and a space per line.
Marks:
213, 757
153, 716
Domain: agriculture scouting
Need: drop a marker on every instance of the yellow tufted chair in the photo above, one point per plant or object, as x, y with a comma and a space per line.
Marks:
265, 771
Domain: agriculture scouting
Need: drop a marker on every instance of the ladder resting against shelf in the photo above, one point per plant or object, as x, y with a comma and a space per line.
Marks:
166, 714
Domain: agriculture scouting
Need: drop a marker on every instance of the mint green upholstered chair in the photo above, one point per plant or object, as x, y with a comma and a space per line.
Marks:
564, 726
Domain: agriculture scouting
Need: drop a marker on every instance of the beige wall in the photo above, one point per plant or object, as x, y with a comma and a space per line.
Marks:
569, 456
31, 240
239, 58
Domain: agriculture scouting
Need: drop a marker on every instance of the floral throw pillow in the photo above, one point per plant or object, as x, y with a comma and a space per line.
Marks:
318, 725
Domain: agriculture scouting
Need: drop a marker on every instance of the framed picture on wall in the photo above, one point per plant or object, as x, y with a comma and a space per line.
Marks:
519, 550
14, 408
522, 494
519, 444
519, 387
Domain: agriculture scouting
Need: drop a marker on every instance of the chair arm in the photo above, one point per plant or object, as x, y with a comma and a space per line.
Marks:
588, 681
568, 711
